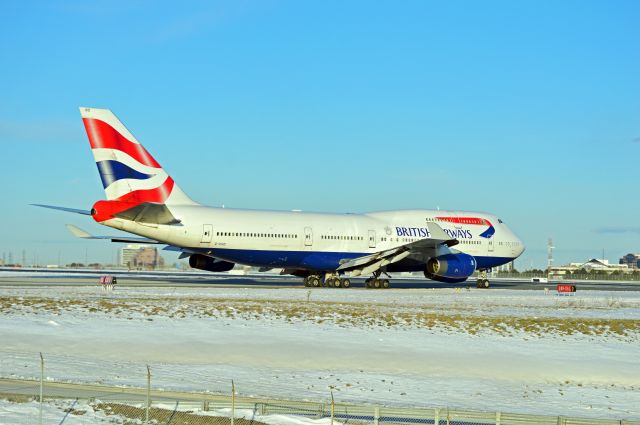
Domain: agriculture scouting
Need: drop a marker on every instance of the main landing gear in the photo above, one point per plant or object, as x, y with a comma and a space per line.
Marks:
335, 281
482, 281
316, 281
376, 283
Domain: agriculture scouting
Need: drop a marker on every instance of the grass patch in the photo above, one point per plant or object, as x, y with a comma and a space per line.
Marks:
369, 315
16, 398
136, 416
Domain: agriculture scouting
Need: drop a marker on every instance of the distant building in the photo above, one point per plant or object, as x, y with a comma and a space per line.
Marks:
631, 260
508, 268
592, 264
141, 257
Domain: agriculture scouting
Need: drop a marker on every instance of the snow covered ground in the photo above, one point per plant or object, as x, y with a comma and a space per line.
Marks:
83, 413
507, 350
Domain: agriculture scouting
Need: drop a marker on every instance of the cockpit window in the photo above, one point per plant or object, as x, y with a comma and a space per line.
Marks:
500, 221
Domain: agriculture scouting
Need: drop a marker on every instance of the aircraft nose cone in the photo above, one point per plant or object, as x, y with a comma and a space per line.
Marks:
520, 248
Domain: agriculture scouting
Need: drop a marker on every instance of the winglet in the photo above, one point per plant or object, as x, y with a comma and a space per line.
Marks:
78, 233
436, 231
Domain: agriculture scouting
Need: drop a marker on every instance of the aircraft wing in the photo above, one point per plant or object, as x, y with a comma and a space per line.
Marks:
184, 252
372, 262
79, 233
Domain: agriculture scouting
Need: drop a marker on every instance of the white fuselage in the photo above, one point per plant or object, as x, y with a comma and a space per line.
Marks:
318, 241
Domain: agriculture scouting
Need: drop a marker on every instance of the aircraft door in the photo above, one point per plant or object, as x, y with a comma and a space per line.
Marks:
207, 233
308, 236
372, 238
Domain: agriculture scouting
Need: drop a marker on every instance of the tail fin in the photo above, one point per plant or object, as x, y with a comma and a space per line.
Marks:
128, 172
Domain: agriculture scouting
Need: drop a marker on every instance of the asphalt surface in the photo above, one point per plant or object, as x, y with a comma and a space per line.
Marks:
165, 279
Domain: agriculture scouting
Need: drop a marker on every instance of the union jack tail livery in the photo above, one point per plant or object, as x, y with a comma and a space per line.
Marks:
129, 173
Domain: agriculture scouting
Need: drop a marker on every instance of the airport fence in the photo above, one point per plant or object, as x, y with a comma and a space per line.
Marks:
88, 404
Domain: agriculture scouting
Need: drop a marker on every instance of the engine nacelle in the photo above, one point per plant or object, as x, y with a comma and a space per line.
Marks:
202, 262
450, 268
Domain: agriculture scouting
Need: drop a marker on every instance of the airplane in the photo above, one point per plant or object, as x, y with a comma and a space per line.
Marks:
325, 249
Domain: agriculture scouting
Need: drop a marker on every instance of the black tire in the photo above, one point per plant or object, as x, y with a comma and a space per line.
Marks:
485, 284
376, 283
314, 282
384, 283
345, 283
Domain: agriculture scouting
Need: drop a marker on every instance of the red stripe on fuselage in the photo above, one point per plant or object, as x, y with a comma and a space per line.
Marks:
103, 136
466, 220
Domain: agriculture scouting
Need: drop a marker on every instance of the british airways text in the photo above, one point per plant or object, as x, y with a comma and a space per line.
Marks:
459, 233
423, 232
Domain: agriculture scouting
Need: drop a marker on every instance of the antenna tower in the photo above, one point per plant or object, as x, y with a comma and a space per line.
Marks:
550, 249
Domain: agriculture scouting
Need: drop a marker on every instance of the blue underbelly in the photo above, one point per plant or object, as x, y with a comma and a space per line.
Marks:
318, 260
313, 260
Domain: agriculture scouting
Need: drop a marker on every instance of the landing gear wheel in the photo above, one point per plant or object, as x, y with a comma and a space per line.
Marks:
376, 283
314, 281
367, 283
384, 283
336, 283
483, 283
345, 283
306, 282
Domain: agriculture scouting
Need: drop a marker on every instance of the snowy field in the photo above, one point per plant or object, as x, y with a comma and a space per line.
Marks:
507, 350
83, 413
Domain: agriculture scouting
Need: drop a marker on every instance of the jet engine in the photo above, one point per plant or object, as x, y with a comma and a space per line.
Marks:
202, 262
450, 268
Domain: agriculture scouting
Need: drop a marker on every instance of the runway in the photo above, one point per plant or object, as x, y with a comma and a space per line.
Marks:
45, 277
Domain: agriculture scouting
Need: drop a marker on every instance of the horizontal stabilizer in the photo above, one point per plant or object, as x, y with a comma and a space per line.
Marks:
71, 210
149, 212
79, 233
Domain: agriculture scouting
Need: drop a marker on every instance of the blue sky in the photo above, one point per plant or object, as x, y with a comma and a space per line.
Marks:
528, 109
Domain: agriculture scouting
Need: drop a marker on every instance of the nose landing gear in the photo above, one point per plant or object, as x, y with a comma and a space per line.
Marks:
482, 281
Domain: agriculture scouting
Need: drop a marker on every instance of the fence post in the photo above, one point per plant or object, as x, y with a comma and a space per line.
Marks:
233, 401
41, 384
333, 407
498, 418
376, 415
146, 414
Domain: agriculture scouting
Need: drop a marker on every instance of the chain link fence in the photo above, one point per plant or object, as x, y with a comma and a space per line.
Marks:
76, 404
47, 402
